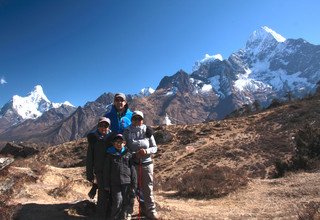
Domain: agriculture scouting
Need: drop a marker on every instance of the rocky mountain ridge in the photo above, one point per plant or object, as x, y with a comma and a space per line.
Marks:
268, 67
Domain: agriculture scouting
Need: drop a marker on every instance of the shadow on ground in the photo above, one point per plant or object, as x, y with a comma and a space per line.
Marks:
81, 210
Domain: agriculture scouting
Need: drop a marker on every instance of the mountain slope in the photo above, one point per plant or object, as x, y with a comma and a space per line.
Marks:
53, 180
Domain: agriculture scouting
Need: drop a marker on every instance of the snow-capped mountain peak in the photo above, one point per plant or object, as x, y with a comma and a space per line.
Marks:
265, 33
37, 94
263, 38
31, 106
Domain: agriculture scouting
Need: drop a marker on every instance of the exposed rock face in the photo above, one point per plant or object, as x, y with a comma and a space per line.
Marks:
5, 161
178, 97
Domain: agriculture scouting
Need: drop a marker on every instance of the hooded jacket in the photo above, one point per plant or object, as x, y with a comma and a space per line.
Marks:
119, 122
119, 168
136, 139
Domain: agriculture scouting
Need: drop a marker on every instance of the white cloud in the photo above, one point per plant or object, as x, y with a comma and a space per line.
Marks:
2, 81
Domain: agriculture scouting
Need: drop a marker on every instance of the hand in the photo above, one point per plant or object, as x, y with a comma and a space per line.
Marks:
142, 152
90, 179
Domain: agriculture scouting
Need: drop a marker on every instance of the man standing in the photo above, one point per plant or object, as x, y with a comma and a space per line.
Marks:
120, 114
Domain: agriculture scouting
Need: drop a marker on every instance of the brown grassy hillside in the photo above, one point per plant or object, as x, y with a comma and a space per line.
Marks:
234, 161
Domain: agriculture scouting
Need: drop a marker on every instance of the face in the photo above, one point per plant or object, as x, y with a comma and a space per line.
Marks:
103, 127
118, 144
119, 103
137, 120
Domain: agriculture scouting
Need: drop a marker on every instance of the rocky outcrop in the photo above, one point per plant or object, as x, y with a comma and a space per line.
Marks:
18, 150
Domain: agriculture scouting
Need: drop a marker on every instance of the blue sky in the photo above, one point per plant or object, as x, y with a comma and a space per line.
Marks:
79, 49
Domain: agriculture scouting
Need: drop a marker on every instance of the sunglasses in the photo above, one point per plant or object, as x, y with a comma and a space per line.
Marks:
119, 100
137, 119
118, 142
103, 125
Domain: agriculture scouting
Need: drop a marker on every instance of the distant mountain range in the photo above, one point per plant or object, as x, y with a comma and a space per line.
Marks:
268, 67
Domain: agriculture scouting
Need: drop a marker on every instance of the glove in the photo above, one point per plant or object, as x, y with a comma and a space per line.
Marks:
90, 177
107, 189
93, 191
132, 193
149, 132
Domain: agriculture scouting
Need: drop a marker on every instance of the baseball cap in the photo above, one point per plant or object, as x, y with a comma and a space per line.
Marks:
104, 119
137, 113
118, 136
120, 95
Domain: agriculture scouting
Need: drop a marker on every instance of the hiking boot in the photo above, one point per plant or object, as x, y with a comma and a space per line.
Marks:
153, 216
93, 191
128, 216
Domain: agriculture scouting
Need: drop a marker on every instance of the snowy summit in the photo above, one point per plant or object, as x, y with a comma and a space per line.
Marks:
262, 39
33, 105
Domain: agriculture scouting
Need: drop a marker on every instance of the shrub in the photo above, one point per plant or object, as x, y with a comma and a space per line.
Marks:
310, 211
307, 148
274, 103
210, 183
307, 152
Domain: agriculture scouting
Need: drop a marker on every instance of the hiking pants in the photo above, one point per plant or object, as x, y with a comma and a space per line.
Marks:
120, 200
145, 180
103, 197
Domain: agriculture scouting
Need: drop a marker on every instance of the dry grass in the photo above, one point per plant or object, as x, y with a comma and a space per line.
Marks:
213, 182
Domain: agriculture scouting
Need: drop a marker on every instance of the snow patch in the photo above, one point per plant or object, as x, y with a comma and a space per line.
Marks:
146, 91
276, 36
207, 59
57, 105
172, 91
206, 88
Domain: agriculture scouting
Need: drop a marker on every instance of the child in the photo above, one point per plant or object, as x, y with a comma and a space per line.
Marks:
120, 177
141, 142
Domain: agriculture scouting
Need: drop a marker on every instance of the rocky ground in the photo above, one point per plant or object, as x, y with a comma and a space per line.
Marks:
51, 184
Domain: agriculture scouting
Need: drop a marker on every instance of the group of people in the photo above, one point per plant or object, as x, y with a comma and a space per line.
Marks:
119, 163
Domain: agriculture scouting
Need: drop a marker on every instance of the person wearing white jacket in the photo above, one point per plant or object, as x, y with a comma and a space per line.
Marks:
142, 144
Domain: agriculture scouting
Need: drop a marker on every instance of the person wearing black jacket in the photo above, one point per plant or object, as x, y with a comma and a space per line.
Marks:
120, 177
98, 142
